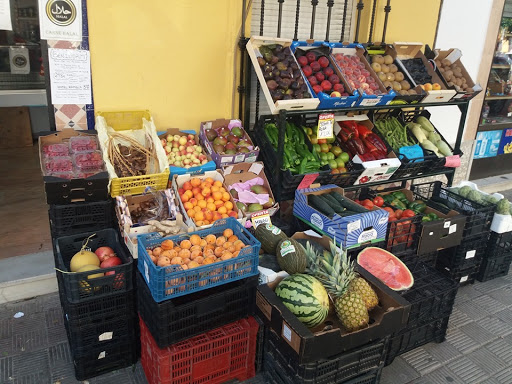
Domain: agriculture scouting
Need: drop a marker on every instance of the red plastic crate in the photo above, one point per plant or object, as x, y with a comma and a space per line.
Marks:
226, 353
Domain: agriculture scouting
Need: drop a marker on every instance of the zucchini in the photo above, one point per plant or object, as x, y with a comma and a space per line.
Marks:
319, 204
425, 123
350, 205
332, 202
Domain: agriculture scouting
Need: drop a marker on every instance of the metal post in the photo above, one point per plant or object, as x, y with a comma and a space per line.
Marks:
241, 45
342, 37
297, 12
280, 16
372, 21
387, 9
314, 3
360, 7
330, 4
281, 124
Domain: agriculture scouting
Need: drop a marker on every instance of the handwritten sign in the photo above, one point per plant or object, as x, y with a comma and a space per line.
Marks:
307, 180
325, 126
259, 218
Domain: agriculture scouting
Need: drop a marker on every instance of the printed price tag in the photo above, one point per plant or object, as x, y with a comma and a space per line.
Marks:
447, 224
287, 332
452, 161
105, 336
325, 126
470, 254
453, 228
307, 180
370, 102
261, 217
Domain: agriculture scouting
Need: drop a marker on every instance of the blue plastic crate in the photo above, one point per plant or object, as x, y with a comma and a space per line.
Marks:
172, 281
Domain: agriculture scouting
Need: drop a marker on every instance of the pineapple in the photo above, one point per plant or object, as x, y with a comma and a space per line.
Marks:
313, 259
336, 273
362, 287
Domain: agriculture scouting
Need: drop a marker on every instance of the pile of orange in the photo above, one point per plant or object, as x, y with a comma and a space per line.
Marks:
197, 251
206, 201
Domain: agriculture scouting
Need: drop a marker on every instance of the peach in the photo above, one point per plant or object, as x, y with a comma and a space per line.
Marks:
220, 241
186, 244
227, 233
177, 260
210, 239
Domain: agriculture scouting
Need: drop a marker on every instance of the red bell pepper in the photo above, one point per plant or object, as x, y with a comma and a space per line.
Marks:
350, 126
343, 135
368, 145
362, 131
351, 147
377, 142
359, 145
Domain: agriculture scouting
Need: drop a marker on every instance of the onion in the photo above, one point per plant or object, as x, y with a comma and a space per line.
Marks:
104, 253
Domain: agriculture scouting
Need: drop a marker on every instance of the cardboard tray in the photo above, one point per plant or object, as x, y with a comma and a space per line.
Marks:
300, 48
411, 50
253, 50
349, 231
209, 166
222, 160
242, 172
364, 100
454, 55
310, 345
387, 49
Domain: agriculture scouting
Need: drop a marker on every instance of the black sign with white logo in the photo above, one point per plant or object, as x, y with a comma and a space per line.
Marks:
19, 61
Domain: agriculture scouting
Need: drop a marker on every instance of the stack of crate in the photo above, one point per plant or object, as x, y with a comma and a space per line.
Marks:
99, 313
196, 324
497, 257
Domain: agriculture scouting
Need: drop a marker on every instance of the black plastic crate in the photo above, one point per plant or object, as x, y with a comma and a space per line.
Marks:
62, 191
77, 286
412, 259
403, 235
177, 319
77, 218
498, 245
103, 359
495, 267
468, 253
431, 296
336, 369
416, 336
413, 166
289, 181
260, 344
464, 276
478, 216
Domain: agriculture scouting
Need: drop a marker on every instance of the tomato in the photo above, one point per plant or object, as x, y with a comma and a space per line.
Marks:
398, 214
390, 211
368, 202
357, 201
408, 213
378, 201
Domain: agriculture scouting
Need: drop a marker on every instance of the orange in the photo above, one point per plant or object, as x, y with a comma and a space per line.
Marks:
193, 264
222, 189
225, 215
232, 214
188, 205
204, 184
167, 244
217, 195
216, 216
228, 205
189, 194
186, 244
187, 186
199, 216
184, 254
195, 254
239, 244
222, 209
210, 239
195, 182
205, 192
225, 196
196, 248
202, 203
191, 213
194, 240
218, 203
197, 208
206, 222
208, 252
220, 241
217, 183
203, 243
209, 260
210, 200
184, 198
227, 244
211, 206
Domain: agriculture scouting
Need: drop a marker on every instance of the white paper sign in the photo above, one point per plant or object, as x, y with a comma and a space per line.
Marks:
70, 76
19, 60
325, 126
60, 19
5, 15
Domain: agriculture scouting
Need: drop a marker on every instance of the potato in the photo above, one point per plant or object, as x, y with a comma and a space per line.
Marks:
446, 62
403, 92
393, 68
412, 92
390, 76
388, 59
469, 90
457, 74
397, 86
464, 81
438, 63
405, 85
399, 76
384, 68
448, 73
378, 59
441, 69
388, 84
450, 84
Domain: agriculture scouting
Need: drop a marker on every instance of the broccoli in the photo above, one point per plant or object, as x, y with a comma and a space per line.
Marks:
475, 196
464, 191
503, 207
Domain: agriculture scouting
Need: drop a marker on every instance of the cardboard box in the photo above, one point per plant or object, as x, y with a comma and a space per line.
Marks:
411, 50
300, 48
364, 100
377, 170
454, 55
310, 345
349, 231
209, 166
222, 160
252, 47
242, 172
441, 234
179, 180
387, 49
65, 191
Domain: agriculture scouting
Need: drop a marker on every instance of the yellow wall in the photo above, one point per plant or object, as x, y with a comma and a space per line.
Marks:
174, 58
409, 20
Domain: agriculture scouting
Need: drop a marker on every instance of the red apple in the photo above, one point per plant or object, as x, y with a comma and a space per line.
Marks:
312, 80
311, 56
326, 85
323, 61
317, 89
303, 61
320, 76
307, 71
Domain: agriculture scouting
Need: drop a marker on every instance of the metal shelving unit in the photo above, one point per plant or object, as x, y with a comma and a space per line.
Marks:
246, 73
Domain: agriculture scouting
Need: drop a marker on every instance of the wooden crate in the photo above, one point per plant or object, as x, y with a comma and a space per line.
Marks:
15, 127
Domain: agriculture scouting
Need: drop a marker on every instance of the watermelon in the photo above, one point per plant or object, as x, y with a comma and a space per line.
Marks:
305, 297
386, 267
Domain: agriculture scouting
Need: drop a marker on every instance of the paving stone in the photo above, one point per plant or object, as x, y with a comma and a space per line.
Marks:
466, 370
421, 360
501, 348
443, 352
478, 333
466, 293
474, 312
505, 376
487, 361
398, 372
119, 376
503, 295
490, 380
30, 366
488, 303
491, 285
458, 318
60, 362
30, 341
505, 315
461, 341
439, 376
139, 377
6, 369
495, 325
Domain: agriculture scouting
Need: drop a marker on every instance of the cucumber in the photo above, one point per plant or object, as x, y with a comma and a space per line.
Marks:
350, 205
332, 202
319, 204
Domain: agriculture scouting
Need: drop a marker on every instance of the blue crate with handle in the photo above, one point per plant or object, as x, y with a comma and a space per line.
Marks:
173, 281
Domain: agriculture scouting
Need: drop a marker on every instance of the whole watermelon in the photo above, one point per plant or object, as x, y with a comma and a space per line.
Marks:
305, 297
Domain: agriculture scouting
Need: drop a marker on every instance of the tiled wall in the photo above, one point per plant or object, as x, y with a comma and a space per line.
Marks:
76, 116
